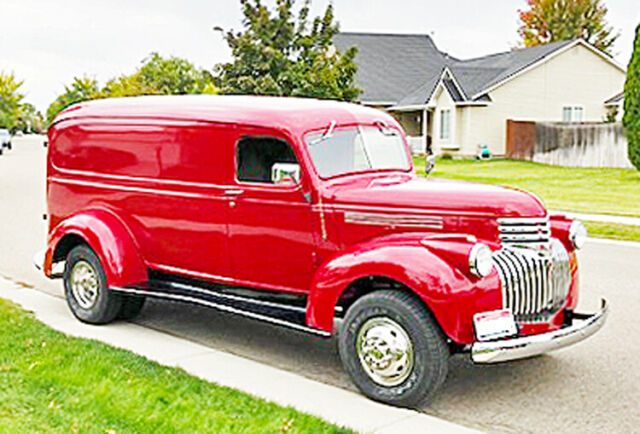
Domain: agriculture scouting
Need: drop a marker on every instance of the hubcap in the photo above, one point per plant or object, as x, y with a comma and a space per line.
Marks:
84, 284
385, 351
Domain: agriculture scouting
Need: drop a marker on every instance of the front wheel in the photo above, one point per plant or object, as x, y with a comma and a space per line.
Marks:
85, 287
393, 349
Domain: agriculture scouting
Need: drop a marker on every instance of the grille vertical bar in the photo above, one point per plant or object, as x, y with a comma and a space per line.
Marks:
535, 283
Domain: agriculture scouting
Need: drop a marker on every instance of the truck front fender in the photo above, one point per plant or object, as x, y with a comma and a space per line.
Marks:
430, 270
108, 236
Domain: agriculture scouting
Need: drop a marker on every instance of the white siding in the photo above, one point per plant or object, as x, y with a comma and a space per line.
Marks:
575, 77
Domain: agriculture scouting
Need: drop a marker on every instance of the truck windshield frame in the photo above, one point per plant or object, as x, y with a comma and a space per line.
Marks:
357, 149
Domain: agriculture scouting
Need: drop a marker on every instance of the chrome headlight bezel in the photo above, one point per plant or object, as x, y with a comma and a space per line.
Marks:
578, 234
480, 260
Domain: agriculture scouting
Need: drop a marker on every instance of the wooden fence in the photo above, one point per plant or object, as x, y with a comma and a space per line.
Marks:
573, 145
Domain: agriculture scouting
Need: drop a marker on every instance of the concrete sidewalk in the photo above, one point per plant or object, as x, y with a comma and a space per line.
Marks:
333, 404
604, 218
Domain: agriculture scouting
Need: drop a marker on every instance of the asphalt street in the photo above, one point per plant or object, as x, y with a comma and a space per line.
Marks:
591, 387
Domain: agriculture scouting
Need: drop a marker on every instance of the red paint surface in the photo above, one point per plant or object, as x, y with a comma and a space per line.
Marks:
145, 182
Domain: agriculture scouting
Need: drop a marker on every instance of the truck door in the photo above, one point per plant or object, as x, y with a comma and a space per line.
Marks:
270, 225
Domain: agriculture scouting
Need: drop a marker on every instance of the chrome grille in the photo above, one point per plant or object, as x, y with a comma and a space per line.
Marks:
525, 232
535, 283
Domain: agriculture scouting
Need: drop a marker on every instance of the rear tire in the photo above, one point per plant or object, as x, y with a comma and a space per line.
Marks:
131, 306
393, 349
85, 287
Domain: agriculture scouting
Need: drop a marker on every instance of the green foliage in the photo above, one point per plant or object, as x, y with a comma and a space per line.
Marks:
548, 21
174, 76
156, 76
280, 54
631, 118
10, 101
82, 89
15, 115
53, 383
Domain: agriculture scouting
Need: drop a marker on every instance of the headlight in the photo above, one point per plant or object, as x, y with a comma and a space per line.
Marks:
578, 234
480, 261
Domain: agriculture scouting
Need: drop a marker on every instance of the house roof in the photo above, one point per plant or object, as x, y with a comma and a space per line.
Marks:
392, 66
406, 69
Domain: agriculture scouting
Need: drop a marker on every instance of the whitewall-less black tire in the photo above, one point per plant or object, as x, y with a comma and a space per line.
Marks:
85, 287
393, 349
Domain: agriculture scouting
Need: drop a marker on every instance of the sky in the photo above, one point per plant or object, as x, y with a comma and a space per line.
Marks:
46, 43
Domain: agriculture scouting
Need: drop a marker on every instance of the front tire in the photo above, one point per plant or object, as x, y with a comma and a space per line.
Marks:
393, 349
85, 287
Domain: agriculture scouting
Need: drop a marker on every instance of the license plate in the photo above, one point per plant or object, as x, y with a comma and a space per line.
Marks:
494, 325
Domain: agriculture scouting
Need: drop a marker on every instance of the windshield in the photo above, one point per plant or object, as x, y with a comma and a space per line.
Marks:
4, 132
357, 149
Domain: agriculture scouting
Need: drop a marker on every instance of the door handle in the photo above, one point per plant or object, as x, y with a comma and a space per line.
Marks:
233, 192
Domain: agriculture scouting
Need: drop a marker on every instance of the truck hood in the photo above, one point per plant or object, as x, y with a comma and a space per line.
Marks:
411, 192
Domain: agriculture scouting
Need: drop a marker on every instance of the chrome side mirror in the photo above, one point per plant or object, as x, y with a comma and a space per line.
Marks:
430, 165
285, 173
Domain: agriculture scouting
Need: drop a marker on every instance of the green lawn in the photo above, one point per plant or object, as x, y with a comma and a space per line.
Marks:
596, 191
50, 382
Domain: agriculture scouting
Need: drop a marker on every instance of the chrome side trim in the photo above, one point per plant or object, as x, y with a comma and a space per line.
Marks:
223, 308
396, 220
528, 346
134, 189
233, 297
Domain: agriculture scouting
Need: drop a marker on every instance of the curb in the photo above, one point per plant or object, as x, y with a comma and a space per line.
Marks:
341, 407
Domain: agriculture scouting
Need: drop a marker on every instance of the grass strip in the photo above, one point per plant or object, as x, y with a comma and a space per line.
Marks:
582, 190
50, 382
613, 231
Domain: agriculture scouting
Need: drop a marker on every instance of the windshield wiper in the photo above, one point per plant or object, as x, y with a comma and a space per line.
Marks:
327, 134
385, 129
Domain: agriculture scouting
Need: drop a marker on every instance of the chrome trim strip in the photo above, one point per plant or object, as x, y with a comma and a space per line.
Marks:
224, 308
135, 189
528, 346
397, 220
233, 297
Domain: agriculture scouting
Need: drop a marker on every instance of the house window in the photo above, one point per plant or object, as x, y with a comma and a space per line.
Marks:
445, 124
572, 114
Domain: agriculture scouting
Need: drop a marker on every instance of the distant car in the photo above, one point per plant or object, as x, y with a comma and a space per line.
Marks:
5, 139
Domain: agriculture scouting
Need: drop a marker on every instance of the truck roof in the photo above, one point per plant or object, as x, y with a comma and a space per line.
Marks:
295, 115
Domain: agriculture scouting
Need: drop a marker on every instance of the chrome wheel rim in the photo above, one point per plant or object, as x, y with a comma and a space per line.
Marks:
84, 284
385, 351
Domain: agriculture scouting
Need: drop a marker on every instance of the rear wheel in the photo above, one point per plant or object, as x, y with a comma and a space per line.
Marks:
393, 349
86, 289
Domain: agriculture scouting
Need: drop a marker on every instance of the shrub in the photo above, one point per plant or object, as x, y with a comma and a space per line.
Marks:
631, 118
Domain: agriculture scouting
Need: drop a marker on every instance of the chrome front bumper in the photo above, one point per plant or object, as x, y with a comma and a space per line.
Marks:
527, 346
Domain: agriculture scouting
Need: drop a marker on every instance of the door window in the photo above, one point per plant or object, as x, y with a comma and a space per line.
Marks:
257, 155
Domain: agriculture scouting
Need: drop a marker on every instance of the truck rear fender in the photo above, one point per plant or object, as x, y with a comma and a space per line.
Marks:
108, 236
435, 271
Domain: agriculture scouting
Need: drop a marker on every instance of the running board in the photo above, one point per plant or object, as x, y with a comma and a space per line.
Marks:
281, 314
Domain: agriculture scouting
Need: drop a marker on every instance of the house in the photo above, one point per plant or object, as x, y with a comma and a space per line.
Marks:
462, 104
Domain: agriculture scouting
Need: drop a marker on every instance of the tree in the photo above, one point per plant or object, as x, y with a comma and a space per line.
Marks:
631, 117
10, 101
82, 89
277, 53
156, 76
174, 76
548, 21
